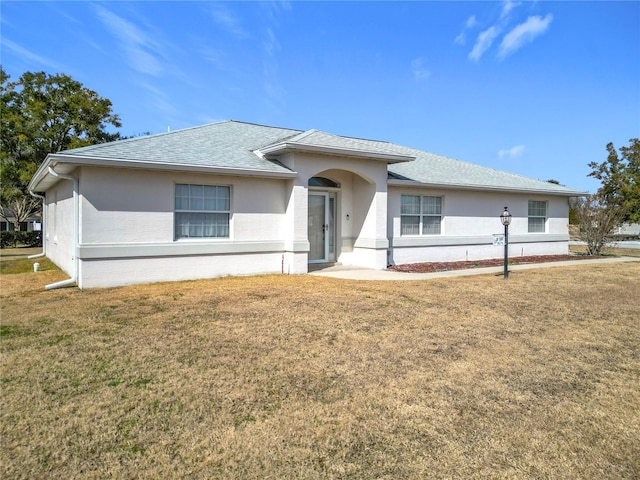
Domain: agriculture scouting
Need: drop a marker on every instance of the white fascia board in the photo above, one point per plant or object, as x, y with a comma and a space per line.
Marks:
39, 175
458, 186
76, 160
109, 162
343, 152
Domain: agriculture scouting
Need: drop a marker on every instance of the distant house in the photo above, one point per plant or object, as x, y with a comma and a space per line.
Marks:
32, 224
236, 198
629, 229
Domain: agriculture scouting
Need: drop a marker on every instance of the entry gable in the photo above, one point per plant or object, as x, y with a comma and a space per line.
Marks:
315, 141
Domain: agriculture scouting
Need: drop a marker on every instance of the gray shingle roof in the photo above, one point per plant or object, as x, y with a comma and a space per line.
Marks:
226, 144
318, 138
437, 170
231, 144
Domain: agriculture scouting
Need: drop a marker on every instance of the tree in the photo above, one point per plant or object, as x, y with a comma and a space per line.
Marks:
16, 206
43, 114
597, 219
620, 177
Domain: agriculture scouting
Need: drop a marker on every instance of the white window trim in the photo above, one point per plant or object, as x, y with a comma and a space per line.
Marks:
422, 215
203, 239
545, 217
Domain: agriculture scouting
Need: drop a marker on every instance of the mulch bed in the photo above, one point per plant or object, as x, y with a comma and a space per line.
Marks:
492, 262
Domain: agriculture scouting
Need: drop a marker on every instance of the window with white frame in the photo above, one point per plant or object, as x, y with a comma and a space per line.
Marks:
420, 215
202, 211
537, 216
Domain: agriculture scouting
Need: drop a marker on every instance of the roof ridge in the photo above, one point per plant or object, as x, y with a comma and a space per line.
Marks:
366, 139
308, 133
349, 137
302, 135
261, 125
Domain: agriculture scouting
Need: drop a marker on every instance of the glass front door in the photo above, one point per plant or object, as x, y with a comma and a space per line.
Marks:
320, 226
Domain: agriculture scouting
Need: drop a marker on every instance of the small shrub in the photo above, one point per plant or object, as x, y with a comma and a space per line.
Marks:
33, 239
7, 239
13, 238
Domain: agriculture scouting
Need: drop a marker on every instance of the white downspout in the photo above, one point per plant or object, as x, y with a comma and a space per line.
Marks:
44, 224
76, 230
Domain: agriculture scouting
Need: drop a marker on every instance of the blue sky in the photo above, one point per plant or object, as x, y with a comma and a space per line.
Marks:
535, 88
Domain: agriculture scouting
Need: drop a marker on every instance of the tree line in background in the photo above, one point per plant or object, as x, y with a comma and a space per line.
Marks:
44, 114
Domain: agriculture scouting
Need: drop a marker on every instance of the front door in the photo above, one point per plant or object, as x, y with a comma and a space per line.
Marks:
320, 226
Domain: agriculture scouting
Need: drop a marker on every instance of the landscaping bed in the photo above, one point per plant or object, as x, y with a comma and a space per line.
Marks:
430, 267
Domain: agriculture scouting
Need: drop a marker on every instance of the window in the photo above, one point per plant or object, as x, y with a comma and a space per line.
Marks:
202, 211
323, 182
420, 215
537, 216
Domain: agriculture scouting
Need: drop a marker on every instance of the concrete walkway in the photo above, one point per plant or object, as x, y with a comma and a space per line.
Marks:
360, 273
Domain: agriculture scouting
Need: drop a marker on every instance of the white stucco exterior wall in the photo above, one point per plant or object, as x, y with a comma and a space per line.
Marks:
114, 272
470, 218
127, 223
58, 233
127, 228
296, 244
120, 206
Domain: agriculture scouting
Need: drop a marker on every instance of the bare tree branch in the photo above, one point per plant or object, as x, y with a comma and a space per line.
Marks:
597, 219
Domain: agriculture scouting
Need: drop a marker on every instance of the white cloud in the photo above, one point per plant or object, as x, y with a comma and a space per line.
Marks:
226, 19
524, 33
419, 69
275, 9
211, 55
483, 42
507, 7
140, 48
512, 152
158, 100
471, 22
36, 59
515, 39
275, 92
270, 43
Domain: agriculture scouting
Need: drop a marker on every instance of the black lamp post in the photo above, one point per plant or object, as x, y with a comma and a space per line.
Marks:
505, 218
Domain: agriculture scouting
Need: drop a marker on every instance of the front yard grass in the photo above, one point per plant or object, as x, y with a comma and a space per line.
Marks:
309, 377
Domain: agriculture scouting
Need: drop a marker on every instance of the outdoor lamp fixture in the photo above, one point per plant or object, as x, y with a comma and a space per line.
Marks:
505, 218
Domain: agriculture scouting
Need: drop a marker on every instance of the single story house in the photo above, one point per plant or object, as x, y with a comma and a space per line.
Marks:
235, 198
629, 229
32, 224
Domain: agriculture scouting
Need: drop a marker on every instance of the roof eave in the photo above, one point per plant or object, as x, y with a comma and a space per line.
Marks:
491, 188
78, 160
40, 174
284, 147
